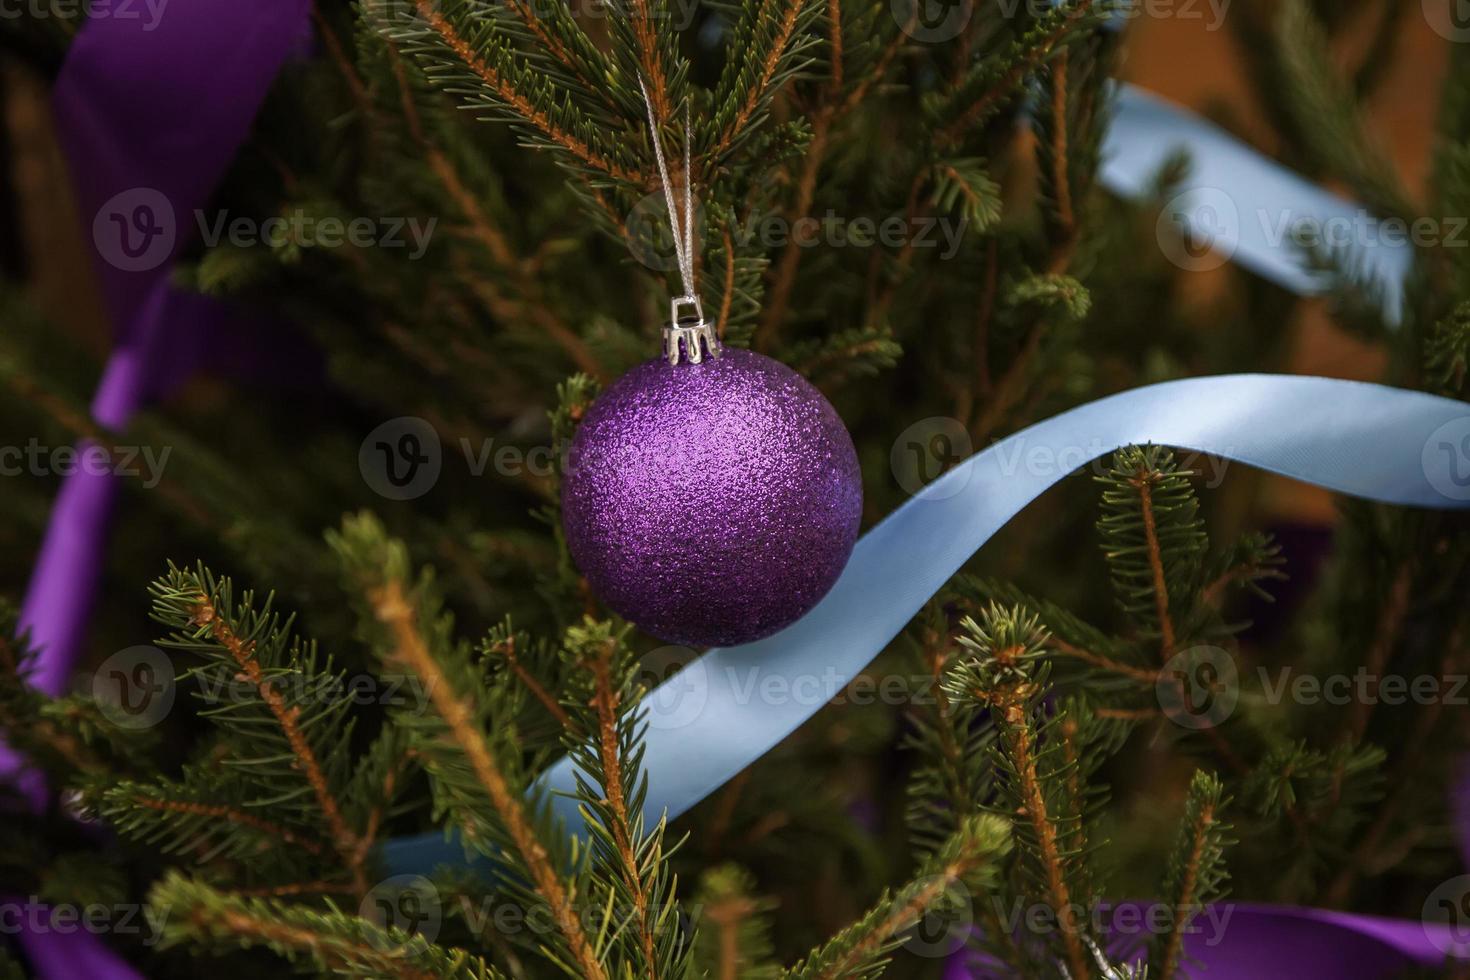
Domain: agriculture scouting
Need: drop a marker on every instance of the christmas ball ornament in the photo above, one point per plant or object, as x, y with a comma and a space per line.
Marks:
711, 502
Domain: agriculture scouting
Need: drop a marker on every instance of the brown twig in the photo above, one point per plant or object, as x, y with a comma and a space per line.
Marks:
507, 649
288, 718
983, 319
228, 814
785, 273
515, 100
1060, 178
1139, 674
606, 699
393, 610
1173, 945
902, 918
1008, 82
1143, 482
758, 90
330, 949
729, 294
1018, 738
1395, 608
727, 917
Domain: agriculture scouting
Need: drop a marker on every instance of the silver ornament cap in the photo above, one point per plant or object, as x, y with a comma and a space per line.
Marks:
689, 337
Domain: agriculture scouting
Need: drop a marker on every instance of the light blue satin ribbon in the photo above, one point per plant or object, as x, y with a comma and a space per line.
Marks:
1243, 203
729, 707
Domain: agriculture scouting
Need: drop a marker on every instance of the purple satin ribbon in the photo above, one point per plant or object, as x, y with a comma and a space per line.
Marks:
149, 112
1244, 941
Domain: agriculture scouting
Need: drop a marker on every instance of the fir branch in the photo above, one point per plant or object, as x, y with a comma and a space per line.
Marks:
333, 941
970, 858
746, 87
1325, 109
406, 627
176, 818
988, 85
1153, 539
1005, 669
602, 699
310, 719
1061, 182
1447, 351
394, 611
206, 616
1197, 873
504, 82
502, 644
739, 946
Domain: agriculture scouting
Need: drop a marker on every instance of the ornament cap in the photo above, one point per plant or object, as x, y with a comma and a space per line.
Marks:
689, 337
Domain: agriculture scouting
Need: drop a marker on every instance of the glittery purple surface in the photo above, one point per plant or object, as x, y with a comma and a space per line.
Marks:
712, 504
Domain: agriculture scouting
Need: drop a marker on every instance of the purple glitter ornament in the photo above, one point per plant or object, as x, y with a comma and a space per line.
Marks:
713, 503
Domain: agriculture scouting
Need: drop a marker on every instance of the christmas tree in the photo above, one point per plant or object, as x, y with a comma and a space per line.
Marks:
334, 634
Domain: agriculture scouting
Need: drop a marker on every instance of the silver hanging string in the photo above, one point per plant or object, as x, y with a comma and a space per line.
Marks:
684, 336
